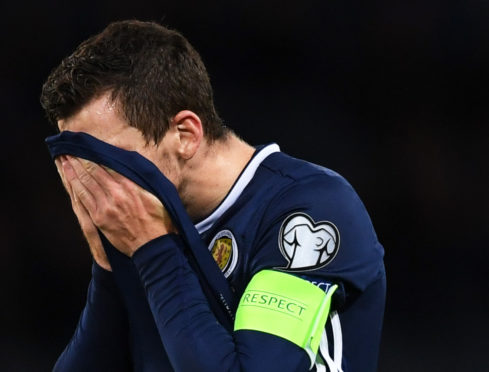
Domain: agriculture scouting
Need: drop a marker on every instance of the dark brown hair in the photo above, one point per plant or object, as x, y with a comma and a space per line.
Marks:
151, 71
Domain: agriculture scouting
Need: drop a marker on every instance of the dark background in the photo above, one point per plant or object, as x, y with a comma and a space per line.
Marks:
393, 95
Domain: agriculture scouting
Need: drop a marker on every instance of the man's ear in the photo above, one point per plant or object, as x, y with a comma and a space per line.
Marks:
189, 133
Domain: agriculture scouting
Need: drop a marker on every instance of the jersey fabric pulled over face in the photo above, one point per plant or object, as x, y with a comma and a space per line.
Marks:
283, 216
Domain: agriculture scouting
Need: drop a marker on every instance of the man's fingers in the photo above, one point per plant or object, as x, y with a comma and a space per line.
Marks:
74, 187
61, 173
91, 235
117, 177
78, 188
89, 175
59, 167
99, 172
89, 229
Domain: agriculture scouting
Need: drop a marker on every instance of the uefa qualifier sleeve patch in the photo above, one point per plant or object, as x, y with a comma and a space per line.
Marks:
306, 244
286, 306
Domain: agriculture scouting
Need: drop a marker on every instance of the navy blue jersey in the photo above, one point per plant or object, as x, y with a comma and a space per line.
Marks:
283, 214
307, 220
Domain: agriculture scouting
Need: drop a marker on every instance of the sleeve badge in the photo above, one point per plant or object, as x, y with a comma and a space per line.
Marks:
306, 244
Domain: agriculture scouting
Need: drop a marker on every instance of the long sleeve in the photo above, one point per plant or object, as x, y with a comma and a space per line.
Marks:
192, 337
100, 342
282, 214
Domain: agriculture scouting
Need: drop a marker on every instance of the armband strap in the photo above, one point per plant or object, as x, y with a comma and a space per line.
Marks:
286, 306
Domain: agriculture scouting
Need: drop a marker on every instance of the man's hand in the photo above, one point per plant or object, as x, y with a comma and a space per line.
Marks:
88, 228
128, 215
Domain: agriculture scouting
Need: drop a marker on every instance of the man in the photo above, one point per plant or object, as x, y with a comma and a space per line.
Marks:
292, 239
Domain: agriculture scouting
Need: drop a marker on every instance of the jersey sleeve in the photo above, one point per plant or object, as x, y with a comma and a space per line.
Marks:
318, 228
192, 337
100, 342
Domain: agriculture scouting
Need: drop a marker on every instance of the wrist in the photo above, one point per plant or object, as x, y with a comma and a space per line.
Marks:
154, 247
160, 233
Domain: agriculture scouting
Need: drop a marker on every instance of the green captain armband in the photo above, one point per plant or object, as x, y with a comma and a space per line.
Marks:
286, 306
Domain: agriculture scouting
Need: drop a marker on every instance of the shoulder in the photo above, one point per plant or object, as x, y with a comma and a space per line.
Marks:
317, 222
297, 169
301, 184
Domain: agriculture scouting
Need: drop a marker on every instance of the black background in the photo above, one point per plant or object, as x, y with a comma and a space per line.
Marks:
393, 95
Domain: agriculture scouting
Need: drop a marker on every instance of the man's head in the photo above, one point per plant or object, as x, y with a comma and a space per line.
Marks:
151, 74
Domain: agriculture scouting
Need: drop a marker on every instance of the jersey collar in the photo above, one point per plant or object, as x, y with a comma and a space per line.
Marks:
238, 187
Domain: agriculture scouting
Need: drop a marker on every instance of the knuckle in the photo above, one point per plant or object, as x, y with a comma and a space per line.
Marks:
85, 178
83, 194
90, 167
118, 197
98, 219
104, 212
98, 216
128, 184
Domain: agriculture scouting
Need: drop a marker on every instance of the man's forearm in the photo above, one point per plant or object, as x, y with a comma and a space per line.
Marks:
190, 333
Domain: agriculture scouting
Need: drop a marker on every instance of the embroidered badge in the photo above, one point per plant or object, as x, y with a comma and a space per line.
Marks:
306, 244
224, 251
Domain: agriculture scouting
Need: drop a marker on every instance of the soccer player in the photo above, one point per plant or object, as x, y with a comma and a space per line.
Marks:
209, 254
